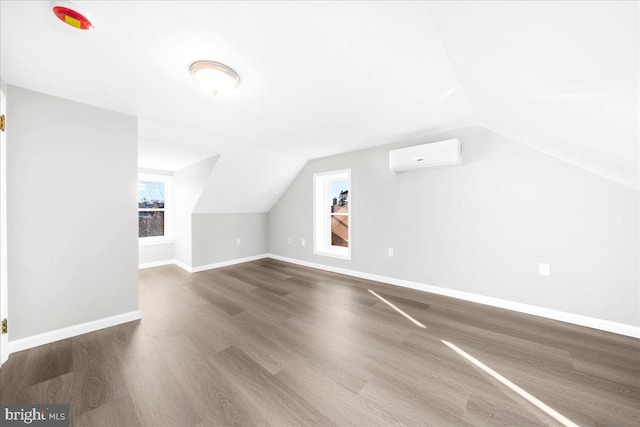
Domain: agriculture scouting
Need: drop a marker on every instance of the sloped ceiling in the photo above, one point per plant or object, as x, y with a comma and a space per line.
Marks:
165, 147
244, 179
320, 78
561, 77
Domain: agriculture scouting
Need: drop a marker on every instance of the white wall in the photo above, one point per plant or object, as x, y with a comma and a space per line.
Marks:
215, 237
483, 228
203, 238
153, 253
72, 229
188, 183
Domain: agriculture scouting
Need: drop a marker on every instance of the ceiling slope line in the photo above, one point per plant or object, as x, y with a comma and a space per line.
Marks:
448, 61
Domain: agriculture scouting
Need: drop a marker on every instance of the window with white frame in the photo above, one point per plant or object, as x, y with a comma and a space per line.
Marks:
332, 213
154, 207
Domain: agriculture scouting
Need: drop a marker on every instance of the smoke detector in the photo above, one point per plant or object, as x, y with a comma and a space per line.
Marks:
71, 14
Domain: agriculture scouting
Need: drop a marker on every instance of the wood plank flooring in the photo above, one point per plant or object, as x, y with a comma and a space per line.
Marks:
271, 343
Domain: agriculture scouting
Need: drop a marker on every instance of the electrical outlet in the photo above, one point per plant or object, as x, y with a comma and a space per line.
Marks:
390, 252
302, 242
544, 269
237, 241
289, 240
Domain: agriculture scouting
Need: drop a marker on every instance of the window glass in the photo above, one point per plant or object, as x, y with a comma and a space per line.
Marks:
150, 195
153, 217
340, 230
339, 197
332, 214
150, 223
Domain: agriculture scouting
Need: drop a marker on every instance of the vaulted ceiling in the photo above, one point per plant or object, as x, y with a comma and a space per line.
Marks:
320, 78
561, 77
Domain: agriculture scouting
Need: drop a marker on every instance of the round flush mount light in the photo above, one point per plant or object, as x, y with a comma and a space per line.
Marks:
71, 15
214, 77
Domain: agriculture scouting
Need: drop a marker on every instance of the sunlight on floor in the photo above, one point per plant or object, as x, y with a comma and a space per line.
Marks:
549, 411
398, 310
524, 394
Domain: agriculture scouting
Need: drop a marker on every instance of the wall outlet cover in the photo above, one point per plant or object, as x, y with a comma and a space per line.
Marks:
544, 269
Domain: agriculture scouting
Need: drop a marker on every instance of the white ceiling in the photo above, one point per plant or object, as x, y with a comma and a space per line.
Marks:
319, 78
169, 148
245, 178
559, 76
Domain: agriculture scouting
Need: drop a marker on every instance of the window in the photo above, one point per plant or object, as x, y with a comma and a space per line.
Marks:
154, 203
332, 214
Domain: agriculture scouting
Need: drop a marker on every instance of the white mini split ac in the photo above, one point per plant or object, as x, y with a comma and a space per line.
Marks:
435, 154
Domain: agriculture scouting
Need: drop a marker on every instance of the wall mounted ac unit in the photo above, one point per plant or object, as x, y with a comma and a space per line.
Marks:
435, 154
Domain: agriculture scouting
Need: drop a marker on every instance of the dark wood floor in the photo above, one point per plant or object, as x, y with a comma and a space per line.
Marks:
270, 343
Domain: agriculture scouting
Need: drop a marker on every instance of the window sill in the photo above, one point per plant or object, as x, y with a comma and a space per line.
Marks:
148, 241
333, 255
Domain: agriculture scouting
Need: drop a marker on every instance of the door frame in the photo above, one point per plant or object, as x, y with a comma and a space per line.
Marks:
4, 338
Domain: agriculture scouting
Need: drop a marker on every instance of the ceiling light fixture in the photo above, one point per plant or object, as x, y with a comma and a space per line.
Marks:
214, 77
70, 14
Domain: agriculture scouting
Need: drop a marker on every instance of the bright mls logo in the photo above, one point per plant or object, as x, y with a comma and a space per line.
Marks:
35, 415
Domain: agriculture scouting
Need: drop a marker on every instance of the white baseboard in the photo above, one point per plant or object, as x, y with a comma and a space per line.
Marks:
156, 264
227, 263
182, 265
576, 319
72, 331
200, 268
